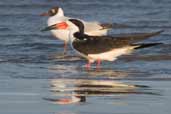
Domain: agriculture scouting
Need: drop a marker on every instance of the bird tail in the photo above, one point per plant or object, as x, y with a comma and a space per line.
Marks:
153, 33
139, 46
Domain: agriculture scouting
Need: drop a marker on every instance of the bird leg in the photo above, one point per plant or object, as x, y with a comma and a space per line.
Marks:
88, 65
65, 48
98, 64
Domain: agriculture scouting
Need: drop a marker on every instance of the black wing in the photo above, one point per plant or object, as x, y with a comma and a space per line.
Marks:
136, 37
99, 44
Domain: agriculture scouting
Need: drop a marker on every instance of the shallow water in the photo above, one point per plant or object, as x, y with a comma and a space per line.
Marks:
33, 76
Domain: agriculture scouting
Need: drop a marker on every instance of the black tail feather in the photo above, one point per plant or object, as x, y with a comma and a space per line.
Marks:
139, 46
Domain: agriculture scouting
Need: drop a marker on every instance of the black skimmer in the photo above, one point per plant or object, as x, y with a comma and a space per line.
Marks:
98, 48
56, 15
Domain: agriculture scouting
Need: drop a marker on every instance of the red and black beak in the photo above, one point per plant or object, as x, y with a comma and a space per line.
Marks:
61, 25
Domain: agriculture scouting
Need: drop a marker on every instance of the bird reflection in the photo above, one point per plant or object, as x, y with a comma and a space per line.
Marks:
69, 91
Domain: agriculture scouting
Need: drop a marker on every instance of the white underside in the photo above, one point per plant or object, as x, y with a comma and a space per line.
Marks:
110, 55
91, 28
61, 34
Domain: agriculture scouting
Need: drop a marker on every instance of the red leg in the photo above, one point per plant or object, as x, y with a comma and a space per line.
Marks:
98, 64
65, 47
88, 65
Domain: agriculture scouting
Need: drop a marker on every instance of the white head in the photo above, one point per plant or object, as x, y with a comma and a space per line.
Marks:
55, 11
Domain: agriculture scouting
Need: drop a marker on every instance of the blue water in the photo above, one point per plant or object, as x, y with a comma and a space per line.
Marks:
31, 71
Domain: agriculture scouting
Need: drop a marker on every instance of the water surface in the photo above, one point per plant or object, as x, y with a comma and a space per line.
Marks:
33, 76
